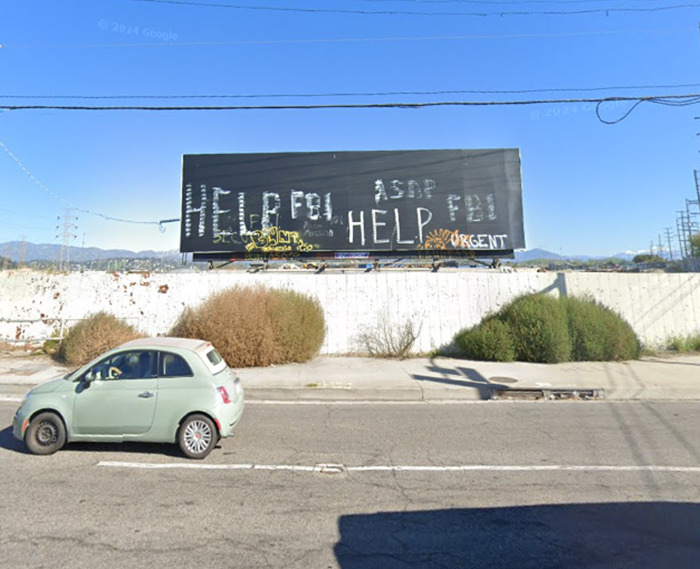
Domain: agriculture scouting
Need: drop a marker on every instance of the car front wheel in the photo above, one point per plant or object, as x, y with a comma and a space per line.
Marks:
197, 436
45, 434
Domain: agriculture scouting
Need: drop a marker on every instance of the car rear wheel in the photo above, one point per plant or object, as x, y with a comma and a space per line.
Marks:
197, 436
45, 434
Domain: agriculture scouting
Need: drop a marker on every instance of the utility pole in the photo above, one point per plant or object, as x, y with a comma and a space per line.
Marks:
684, 232
679, 233
67, 227
22, 252
668, 240
6, 258
692, 226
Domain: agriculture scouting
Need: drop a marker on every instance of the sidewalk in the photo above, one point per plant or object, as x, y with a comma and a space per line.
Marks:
422, 379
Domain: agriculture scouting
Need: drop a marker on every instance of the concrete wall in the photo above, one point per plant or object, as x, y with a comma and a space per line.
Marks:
656, 305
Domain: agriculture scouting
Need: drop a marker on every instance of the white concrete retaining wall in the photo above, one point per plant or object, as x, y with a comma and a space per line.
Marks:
657, 306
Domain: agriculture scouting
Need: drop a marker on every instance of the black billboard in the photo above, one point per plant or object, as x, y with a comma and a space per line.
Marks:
431, 203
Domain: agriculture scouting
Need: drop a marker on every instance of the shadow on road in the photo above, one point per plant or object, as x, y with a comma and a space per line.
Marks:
666, 362
9, 442
460, 377
621, 535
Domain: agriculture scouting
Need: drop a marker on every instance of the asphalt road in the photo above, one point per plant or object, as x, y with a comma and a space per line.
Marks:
486, 485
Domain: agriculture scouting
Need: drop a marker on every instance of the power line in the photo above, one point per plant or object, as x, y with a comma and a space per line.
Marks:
71, 206
498, 2
668, 100
162, 44
607, 10
358, 93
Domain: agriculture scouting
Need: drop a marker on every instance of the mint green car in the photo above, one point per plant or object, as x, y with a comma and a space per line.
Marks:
164, 390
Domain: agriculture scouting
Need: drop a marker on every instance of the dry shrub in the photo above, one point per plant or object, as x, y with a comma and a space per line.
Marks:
388, 340
93, 336
299, 324
256, 326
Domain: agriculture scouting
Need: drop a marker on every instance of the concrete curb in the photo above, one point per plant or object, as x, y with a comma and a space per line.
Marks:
674, 378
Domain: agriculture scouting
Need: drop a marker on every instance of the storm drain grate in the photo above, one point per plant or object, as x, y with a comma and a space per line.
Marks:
547, 394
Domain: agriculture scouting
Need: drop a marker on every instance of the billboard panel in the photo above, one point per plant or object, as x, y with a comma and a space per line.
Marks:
445, 203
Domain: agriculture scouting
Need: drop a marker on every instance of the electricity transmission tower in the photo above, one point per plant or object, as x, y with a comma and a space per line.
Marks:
67, 227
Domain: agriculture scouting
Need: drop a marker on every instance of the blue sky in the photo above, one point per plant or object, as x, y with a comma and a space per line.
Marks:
588, 187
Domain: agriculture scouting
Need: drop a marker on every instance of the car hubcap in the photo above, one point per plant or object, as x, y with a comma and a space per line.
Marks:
198, 436
47, 433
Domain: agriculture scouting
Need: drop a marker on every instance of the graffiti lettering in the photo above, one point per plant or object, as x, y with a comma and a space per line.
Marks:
314, 209
216, 209
275, 240
381, 236
398, 189
190, 209
481, 241
476, 209
443, 239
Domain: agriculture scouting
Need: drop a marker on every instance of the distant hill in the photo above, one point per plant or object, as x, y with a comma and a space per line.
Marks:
535, 254
52, 252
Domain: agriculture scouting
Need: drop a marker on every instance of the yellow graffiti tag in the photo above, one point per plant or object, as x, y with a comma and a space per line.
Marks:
438, 239
275, 240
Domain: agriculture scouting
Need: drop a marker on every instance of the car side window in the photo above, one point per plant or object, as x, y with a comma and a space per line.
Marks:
173, 365
136, 364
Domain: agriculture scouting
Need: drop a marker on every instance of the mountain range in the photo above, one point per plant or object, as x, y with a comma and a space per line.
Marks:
14, 250
29, 252
533, 254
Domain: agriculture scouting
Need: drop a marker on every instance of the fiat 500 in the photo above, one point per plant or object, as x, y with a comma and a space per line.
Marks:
163, 390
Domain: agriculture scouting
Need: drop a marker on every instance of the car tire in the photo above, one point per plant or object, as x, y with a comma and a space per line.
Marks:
46, 434
197, 436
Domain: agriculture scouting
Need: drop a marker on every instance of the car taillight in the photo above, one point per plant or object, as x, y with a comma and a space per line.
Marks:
224, 394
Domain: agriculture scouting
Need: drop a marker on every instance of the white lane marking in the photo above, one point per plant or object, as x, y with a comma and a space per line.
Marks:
375, 402
524, 468
169, 466
401, 468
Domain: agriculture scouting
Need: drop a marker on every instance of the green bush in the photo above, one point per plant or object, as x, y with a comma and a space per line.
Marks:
256, 326
545, 329
684, 344
598, 333
92, 336
539, 328
489, 341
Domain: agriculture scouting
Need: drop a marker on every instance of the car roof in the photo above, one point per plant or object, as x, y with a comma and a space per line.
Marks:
168, 342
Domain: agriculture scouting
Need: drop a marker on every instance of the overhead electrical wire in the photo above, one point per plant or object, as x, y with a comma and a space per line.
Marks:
501, 13
301, 41
669, 100
357, 93
63, 200
499, 2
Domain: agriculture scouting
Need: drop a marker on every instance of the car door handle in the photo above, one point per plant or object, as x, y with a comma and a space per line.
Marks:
146, 394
